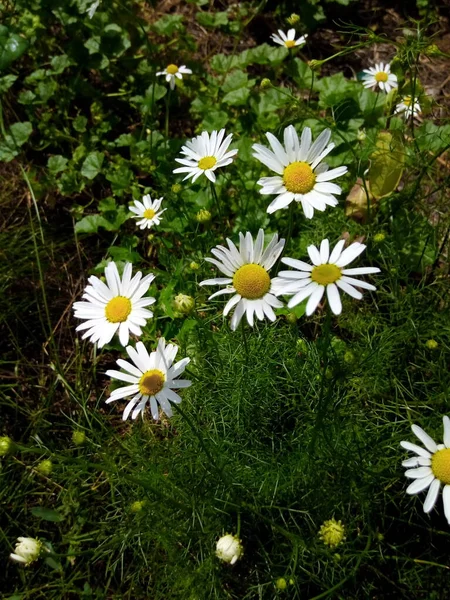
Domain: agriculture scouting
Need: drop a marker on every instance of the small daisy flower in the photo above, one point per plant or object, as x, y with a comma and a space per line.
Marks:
430, 467
229, 548
147, 211
153, 378
332, 533
380, 76
326, 272
172, 71
206, 153
115, 306
288, 39
302, 176
409, 106
27, 550
247, 277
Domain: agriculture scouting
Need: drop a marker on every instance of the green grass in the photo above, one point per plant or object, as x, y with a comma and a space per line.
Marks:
286, 425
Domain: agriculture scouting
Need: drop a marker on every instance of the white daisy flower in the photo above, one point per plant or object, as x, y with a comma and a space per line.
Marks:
429, 468
409, 106
326, 272
302, 176
115, 306
288, 39
172, 71
147, 211
380, 76
206, 153
27, 550
152, 377
247, 277
229, 548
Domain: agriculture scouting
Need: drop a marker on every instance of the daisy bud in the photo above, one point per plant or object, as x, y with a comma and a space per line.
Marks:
78, 438
229, 548
281, 583
293, 19
361, 135
265, 83
431, 344
6, 445
184, 304
332, 532
432, 50
315, 64
301, 345
45, 467
137, 506
349, 357
194, 266
27, 550
291, 318
379, 237
176, 188
203, 216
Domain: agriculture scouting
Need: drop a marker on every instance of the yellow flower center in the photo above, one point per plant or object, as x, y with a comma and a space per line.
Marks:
151, 382
381, 76
149, 213
440, 465
289, 43
407, 100
207, 162
332, 532
326, 274
172, 69
299, 178
251, 281
118, 309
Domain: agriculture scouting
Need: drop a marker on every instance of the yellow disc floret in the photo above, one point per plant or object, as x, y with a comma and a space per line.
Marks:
332, 532
299, 178
207, 162
326, 274
289, 43
118, 309
440, 465
151, 382
149, 213
407, 100
381, 76
251, 281
172, 69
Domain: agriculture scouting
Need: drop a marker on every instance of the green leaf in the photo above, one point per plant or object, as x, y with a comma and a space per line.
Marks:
237, 97
56, 164
26, 97
124, 254
59, 63
92, 164
386, 163
47, 88
215, 119
208, 19
79, 124
235, 80
12, 46
47, 514
6, 82
17, 135
433, 138
336, 88
301, 73
169, 24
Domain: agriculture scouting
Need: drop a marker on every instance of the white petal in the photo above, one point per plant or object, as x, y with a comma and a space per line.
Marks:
349, 289
419, 484
314, 255
446, 421
314, 300
432, 495
418, 473
324, 251
231, 302
446, 502
349, 254
415, 448
426, 440
237, 315
334, 299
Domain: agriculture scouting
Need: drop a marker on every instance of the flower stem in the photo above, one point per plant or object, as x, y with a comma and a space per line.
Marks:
167, 117
215, 198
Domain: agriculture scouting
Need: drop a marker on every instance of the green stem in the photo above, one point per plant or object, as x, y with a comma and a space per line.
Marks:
215, 198
166, 128
245, 341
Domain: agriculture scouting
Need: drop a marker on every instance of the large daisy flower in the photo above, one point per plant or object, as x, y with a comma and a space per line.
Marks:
302, 176
380, 76
147, 211
326, 272
115, 306
153, 377
247, 277
172, 71
204, 154
409, 106
288, 39
430, 467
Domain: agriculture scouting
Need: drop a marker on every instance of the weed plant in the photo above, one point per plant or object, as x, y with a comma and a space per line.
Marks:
287, 425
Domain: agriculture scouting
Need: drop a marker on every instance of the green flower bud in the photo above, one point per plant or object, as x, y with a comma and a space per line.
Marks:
203, 216
184, 304
315, 64
281, 583
332, 532
137, 506
431, 344
293, 19
265, 83
194, 266
78, 438
176, 188
45, 467
6, 445
291, 318
349, 357
301, 345
379, 237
